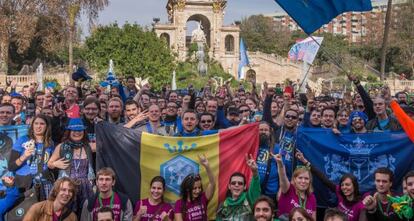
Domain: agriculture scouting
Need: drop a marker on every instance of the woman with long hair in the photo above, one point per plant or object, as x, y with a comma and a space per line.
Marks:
239, 203
29, 157
154, 208
296, 193
347, 192
193, 203
73, 158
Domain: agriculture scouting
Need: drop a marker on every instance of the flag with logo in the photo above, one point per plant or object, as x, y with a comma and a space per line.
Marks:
137, 157
305, 50
310, 15
359, 154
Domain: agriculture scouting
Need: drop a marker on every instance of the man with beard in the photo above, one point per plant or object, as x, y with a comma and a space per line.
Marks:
269, 178
71, 107
171, 121
382, 122
357, 120
56, 206
383, 183
107, 197
402, 98
132, 114
263, 209
375, 214
115, 111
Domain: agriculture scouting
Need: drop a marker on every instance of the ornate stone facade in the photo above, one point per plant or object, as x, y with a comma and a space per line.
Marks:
222, 41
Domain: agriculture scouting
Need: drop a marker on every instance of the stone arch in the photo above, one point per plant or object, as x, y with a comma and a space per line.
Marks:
166, 37
229, 44
205, 22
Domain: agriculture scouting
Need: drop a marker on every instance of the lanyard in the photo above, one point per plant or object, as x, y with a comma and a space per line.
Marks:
111, 201
380, 208
149, 128
302, 203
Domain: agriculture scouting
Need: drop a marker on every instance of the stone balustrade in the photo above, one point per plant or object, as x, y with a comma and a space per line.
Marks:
22, 80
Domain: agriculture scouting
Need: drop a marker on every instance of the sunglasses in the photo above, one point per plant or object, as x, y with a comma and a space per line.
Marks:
291, 117
234, 183
206, 121
242, 111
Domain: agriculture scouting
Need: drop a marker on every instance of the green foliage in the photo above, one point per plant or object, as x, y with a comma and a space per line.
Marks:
135, 52
262, 34
187, 74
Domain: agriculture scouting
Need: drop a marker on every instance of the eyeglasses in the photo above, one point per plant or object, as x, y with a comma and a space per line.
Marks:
234, 183
291, 117
172, 107
246, 110
206, 121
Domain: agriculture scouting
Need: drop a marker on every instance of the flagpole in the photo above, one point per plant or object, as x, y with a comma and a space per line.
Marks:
305, 77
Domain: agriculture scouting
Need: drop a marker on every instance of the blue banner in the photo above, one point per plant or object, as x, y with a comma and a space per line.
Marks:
359, 154
310, 15
8, 135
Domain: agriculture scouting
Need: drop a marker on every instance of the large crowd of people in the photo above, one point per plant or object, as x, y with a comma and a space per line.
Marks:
57, 158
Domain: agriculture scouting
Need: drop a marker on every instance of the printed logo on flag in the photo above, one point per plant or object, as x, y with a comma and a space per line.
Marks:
175, 170
179, 147
359, 163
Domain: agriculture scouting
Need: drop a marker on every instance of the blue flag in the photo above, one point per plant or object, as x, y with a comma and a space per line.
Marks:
359, 154
310, 15
244, 60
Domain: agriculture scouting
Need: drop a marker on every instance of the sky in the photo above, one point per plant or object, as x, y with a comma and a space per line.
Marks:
143, 11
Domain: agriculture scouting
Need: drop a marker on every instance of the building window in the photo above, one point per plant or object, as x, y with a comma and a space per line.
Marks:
229, 44
166, 38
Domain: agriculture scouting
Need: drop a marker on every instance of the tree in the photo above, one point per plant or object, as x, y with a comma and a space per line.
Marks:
404, 34
18, 21
91, 7
135, 52
263, 34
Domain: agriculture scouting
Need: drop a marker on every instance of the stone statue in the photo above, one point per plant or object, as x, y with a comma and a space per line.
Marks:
198, 34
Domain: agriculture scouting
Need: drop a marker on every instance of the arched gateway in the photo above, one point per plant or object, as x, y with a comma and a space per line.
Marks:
222, 41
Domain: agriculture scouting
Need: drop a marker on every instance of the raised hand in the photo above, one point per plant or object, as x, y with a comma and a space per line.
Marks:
8, 181
164, 215
370, 202
278, 158
203, 160
299, 155
251, 163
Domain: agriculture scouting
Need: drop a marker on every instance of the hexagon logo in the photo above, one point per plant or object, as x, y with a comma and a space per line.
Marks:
175, 170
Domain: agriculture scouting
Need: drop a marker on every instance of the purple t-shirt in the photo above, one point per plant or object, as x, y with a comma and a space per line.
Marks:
116, 207
290, 200
154, 211
196, 210
351, 210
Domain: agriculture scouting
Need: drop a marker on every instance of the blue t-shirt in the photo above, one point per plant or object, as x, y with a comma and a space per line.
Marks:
285, 147
263, 155
30, 165
382, 124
